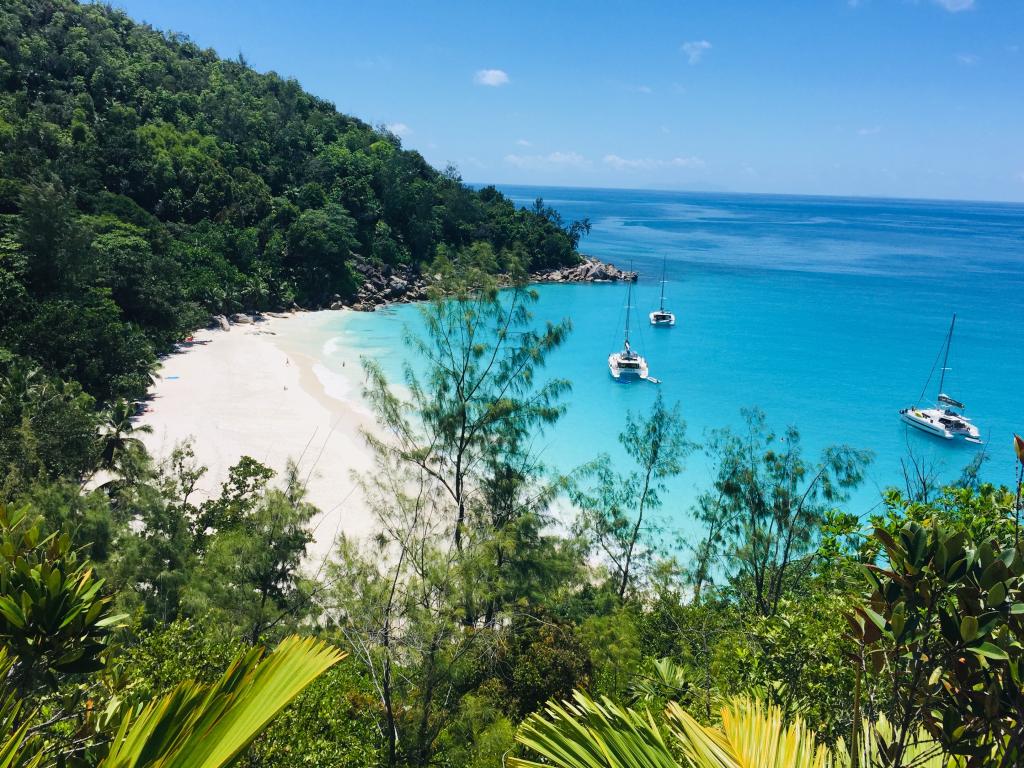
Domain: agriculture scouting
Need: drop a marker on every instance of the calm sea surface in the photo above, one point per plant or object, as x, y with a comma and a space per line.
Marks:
827, 313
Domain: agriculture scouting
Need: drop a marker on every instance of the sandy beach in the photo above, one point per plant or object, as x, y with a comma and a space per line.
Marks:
246, 391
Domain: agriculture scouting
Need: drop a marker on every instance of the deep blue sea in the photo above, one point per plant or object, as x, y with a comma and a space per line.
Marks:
827, 313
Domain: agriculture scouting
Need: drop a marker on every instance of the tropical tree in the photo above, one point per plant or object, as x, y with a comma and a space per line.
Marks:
617, 511
118, 437
945, 622
769, 503
483, 356
54, 614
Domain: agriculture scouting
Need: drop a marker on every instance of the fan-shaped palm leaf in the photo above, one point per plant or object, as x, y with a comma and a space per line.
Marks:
752, 735
588, 734
199, 726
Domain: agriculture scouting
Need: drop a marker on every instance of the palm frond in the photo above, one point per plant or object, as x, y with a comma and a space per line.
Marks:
199, 726
752, 735
590, 734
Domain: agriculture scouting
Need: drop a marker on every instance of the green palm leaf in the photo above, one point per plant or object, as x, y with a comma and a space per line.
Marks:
199, 726
752, 735
17, 749
588, 734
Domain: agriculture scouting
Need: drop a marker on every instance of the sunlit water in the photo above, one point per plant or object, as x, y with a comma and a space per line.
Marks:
826, 313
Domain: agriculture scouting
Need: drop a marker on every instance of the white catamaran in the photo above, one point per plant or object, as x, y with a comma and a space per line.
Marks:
627, 365
661, 317
946, 419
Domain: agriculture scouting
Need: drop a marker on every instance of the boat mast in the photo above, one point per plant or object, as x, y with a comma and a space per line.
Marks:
664, 263
945, 357
629, 301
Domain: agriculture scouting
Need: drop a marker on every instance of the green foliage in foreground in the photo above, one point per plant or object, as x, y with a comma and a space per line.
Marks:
478, 602
202, 726
589, 734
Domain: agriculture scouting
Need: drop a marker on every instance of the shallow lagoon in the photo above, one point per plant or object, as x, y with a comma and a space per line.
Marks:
825, 313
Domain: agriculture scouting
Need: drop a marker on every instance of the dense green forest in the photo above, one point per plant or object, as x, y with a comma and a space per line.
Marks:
146, 185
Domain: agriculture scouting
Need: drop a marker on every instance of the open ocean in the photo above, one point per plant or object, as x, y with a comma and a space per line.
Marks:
827, 313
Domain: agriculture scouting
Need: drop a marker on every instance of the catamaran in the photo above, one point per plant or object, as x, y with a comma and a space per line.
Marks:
661, 317
946, 418
627, 365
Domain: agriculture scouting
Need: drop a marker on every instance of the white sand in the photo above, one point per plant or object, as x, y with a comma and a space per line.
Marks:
244, 392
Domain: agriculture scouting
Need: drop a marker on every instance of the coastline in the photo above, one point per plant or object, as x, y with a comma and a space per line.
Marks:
259, 388
253, 391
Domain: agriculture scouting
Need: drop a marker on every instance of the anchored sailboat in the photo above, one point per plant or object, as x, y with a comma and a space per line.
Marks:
661, 317
627, 365
946, 419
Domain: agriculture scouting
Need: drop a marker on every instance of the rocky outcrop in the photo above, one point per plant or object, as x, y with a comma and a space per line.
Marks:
386, 284
219, 321
590, 270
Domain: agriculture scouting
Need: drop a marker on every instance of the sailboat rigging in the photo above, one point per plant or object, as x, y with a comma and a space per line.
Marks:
627, 364
661, 317
946, 419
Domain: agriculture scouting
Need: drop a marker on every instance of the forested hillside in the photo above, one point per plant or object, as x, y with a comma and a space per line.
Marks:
146, 183
496, 613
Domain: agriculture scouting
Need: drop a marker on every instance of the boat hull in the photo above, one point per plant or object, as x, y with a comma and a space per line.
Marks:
924, 425
941, 423
659, 320
626, 375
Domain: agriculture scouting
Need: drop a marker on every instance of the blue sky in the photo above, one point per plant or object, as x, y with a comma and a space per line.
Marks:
849, 97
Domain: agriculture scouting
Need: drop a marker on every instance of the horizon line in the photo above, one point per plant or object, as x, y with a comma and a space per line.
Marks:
734, 193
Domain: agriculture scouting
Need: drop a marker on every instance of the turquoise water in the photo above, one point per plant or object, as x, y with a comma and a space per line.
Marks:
827, 313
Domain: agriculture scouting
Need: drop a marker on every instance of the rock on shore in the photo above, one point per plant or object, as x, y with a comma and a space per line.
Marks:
590, 270
389, 285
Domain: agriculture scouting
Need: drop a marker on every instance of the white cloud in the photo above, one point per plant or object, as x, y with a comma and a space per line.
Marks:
955, 6
695, 49
967, 59
524, 143
399, 129
550, 160
872, 131
646, 163
491, 77
640, 88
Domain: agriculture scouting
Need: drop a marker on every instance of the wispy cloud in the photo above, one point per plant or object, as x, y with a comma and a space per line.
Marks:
695, 49
550, 160
646, 163
374, 62
524, 143
640, 88
399, 129
870, 131
491, 77
967, 59
955, 6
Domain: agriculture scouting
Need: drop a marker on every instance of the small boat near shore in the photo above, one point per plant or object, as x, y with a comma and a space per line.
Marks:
627, 364
946, 418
